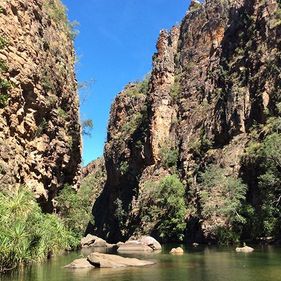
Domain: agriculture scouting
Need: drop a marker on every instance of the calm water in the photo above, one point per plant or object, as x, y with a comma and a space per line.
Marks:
201, 264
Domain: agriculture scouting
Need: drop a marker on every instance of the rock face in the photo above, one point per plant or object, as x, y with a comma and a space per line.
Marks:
213, 78
40, 142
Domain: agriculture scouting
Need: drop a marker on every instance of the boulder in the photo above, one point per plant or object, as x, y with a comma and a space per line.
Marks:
134, 247
92, 241
113, 261
177, 251
99, 243
88, 241
79, 264
244, 249
111, 247
150, 242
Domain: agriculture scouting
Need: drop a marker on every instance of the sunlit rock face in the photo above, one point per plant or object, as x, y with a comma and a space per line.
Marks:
39, 108
210, 82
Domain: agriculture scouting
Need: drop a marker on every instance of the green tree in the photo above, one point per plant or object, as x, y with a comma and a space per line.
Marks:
221, 198
163, 207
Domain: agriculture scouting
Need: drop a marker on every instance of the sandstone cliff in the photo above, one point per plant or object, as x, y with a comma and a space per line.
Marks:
39, 107
214, 77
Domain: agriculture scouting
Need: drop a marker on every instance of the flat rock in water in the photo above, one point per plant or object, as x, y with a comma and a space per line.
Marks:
244, 249
113, 261
79, 264
134, 247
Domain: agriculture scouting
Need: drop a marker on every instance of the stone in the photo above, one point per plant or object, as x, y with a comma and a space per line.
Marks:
244, 249
88, 241
79, 264
99, 243
150, 242
177, 251
111, 247
134, 247
113, 261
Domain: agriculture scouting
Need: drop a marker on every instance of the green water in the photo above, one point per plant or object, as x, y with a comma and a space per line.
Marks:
201, 264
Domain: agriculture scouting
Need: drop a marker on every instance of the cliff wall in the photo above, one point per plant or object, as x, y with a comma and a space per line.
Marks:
40, 142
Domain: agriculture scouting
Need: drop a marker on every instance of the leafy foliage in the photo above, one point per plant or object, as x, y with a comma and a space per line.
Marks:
26, 234
169, 156
87, 126
138, 87
163, 208
264, 154
75, 206
221, 197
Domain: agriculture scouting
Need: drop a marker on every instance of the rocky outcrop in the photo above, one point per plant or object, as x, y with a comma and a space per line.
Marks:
40, 143
214, 76
93, 168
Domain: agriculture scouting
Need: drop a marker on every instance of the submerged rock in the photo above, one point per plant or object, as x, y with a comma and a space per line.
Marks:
244, 249
177, 251
113, 261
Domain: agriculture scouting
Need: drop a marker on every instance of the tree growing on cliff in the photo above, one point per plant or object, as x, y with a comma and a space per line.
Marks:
163, 208
221, 198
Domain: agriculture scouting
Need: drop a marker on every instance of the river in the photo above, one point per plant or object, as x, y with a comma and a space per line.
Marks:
199, 264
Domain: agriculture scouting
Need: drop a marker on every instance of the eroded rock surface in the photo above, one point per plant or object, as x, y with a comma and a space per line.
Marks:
40, 142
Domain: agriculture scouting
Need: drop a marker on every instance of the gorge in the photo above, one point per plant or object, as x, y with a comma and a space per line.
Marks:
192, 153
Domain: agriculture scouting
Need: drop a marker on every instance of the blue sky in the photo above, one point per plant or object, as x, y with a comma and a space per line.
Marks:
115, 45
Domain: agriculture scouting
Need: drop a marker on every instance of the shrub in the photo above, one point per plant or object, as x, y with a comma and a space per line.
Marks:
3, 42
176, 88
74, 207
135, 121
26, 234
124, 167
5, 85
62, 113
163, 207
139, 87
169, 156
